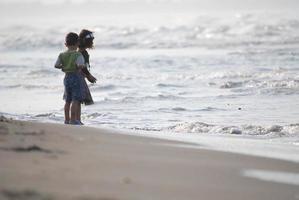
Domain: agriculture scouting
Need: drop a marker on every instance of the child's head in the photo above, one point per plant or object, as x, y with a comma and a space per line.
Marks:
71, 39
86, 39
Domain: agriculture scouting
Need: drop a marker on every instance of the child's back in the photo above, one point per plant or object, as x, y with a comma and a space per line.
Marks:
69, 60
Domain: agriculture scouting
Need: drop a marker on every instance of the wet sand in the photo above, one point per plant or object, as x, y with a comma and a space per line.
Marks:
51, 161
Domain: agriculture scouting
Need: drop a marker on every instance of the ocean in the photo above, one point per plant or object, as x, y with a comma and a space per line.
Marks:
232, 73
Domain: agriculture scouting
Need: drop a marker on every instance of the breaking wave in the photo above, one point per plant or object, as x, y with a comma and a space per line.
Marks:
254, 130
241, 30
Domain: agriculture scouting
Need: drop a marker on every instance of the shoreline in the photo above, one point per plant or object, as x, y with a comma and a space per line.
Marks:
53, 161
285, 149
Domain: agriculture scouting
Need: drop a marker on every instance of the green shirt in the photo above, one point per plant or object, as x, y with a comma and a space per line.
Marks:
70, 60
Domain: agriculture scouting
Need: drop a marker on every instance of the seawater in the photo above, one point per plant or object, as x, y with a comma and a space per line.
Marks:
237, 74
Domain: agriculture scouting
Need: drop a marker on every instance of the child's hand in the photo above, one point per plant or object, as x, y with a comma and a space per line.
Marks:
91, 78
58, 66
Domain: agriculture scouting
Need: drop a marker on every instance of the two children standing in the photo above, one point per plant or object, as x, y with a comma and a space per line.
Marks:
75, 63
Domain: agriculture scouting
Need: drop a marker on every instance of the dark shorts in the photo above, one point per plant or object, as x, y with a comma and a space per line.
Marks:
72, 87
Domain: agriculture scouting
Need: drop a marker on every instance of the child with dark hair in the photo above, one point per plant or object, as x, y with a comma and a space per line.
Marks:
71, 62
86, 42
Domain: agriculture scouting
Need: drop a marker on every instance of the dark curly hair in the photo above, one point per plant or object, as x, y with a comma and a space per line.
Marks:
86, 39
71, 39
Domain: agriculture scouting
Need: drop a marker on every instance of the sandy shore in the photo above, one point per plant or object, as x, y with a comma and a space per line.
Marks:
41, 161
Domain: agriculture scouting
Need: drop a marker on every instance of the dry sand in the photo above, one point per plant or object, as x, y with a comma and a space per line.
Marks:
40, 161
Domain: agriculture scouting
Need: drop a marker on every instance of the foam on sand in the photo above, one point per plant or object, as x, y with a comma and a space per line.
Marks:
273, 176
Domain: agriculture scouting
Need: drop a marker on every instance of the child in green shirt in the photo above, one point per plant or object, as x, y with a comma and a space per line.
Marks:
71, 62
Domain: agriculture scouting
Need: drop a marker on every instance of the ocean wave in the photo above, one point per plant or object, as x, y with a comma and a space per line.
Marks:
29, 86
203, 32
94, 115
50, 116
231, 75
103, 87
170, 110
231, 84
45, 115
253, 130
43, 72
261, 81
182, 109
179, 109
164, 85
162, 97
209, 108
134, 99
145, 129
269, 87
11, 66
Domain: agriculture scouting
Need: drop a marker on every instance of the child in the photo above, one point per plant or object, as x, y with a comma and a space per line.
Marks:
71, 62
86, 42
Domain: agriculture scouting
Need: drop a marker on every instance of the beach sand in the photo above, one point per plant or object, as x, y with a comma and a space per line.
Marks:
51, 161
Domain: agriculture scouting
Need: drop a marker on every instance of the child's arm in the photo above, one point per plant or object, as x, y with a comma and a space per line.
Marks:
81, 65
85, 70
80, 62
91, 78
88, 75
58, 63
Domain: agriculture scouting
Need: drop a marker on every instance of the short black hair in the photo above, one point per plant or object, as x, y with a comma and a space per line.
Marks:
83, 41
71, 39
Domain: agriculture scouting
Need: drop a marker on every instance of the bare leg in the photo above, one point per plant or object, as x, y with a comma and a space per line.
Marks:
67, 111
79, 112
74, 110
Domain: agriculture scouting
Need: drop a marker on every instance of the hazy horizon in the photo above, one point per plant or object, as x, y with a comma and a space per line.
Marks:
156, 5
